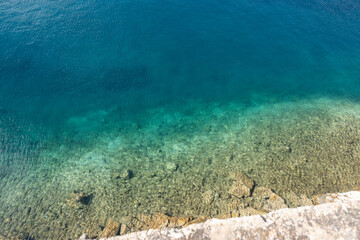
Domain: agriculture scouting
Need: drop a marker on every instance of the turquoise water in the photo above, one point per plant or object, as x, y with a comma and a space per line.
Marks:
173, 95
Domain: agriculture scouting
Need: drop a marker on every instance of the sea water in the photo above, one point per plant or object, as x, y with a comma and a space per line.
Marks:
118, 109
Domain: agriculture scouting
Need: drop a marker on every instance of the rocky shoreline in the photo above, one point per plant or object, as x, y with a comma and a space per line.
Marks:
247, 200
335, 216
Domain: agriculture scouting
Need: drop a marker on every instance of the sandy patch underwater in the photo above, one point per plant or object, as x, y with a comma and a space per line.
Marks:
181, 162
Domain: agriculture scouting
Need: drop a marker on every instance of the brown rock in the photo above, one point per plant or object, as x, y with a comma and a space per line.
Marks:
208, 196
295, 201
267, 200
178, 222
251, 211
93, 231
158, 220
224, 215
305, 201
111, 229
239, 190
197, 220
262, 192
155, 221
275, 202
243, 179
135, 224
292, 199
183, 221
124, 229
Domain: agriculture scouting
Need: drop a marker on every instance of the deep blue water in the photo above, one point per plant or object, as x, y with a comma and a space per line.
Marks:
64, 58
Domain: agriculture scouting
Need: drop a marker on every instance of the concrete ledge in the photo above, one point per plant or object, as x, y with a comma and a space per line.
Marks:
337, 218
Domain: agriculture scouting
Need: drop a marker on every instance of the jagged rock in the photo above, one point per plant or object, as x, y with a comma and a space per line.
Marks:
262, 192
241, 186
135, 224
243, 179
111, 229
178, 222
158, 221
305, 201
267, 200
155, 221
294, 200
239, 190
236, 203
79, 199
197, 220
208, 196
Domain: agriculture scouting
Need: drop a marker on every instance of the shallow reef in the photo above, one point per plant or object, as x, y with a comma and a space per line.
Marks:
179, 166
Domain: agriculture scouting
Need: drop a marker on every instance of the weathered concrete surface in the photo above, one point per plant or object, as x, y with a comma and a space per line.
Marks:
337, 218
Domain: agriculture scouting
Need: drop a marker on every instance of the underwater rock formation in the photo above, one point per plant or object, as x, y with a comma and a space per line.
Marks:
242, 185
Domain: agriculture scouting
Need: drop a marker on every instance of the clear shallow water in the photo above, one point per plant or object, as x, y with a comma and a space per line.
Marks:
94, 88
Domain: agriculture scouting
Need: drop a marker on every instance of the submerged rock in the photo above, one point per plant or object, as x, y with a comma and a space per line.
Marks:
179, 222
171, 167
263, 193
243, 179
79, 199
294, 200
124, 175
239, 190
241, 186
111, 229
208, 197
265, 199
158, 220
